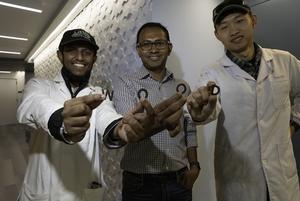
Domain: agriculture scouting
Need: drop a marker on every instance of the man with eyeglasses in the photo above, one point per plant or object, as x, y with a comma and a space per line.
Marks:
254, 159
161, 167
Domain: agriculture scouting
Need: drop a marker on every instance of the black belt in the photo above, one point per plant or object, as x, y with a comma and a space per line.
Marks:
160, 177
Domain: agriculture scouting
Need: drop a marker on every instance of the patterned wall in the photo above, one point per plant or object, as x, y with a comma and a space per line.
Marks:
114, 24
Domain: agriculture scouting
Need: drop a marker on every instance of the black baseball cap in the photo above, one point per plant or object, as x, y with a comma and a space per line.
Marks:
78, 35
227, 7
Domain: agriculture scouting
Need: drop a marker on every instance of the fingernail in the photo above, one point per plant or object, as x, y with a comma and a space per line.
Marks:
98, 96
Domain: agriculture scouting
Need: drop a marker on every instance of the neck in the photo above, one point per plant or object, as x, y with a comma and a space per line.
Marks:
247, 54
158, 74
75, 80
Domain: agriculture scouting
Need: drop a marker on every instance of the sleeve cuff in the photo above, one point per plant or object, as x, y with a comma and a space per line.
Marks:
56, 128
108, 139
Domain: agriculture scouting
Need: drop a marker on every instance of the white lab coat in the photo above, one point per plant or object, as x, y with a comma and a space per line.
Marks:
253, 147
58, 171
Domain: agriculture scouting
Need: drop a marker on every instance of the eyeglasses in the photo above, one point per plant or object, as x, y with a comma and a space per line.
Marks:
159, 44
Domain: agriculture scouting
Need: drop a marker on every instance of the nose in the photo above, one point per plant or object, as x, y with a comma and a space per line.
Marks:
79, 55
233, 30
154, 48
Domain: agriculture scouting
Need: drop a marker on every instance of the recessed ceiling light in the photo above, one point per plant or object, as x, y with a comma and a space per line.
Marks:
8, 52
58, 28
5, 72
12, 37
20, 7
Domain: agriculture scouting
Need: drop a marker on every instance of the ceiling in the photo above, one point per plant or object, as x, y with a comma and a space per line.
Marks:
26, 24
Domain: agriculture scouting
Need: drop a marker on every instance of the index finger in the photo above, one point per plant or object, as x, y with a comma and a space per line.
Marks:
92, 100
148, 107
166, 103
172, 107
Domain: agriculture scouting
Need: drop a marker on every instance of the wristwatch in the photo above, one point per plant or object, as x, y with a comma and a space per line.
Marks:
62, 133
195, 163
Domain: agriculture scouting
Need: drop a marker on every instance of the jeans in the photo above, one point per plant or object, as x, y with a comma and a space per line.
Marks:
156, 187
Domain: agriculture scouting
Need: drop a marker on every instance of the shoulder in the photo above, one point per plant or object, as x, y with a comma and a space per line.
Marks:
124, 79
36, 81
280, 57
276, 52
181, 81
213, 68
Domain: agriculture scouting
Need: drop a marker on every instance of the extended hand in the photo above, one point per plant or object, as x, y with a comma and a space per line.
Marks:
169, 113
76, 115
201, 103
137, 124
144, 120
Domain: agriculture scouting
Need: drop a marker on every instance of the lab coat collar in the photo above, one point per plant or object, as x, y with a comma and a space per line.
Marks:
265, 67
234, 69
59, 80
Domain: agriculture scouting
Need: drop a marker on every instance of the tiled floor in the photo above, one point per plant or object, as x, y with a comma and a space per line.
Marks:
13, 159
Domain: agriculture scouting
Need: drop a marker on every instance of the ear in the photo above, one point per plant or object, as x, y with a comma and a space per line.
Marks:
170, 47
60, 56
139, 51
254, 20
95, 59
217, 35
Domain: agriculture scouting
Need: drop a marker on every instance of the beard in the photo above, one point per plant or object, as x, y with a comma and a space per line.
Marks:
75, 78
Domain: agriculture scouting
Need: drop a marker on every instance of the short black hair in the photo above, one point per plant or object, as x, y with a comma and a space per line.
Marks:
152, 24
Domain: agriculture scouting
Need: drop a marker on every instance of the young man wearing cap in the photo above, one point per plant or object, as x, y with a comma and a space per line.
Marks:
68, 114
254, 160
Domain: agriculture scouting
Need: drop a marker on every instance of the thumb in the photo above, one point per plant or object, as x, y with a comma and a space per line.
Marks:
138, 108
148, 107
94, 101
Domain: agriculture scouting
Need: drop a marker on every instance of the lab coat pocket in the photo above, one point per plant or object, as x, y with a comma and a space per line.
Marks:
287, 160
280, 92
27, 195
93, 194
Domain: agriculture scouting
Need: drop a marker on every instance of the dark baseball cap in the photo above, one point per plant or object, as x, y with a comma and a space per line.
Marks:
227, 7
78, 35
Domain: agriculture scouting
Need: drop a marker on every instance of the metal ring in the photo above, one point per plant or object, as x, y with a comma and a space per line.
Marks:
139, 93
182, 86
213, 87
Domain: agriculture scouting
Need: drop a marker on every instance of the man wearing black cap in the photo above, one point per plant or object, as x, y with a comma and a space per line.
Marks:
69, 114
254, 160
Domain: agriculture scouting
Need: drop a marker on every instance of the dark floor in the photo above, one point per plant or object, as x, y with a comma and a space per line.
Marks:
13, 159
14, 155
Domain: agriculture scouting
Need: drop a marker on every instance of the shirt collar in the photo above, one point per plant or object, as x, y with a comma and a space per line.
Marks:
143, 73
244, 64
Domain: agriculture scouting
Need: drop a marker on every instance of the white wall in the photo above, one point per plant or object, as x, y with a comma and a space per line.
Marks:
191, 30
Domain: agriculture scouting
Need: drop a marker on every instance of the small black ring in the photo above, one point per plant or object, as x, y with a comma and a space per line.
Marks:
140, 93
213, 87
181, 85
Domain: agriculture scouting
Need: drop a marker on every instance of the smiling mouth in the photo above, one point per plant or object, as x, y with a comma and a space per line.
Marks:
79, 65
236, 39
154, 58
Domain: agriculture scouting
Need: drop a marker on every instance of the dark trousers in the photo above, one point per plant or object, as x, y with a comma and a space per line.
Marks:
155, 187
296, 146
